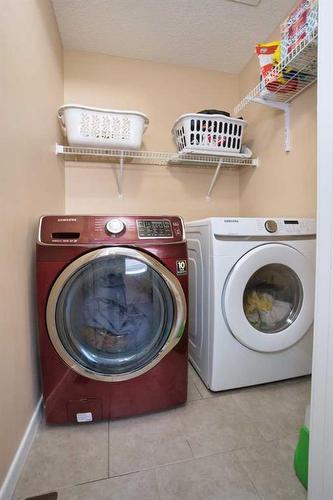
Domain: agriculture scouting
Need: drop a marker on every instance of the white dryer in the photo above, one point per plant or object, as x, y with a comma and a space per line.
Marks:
251, 299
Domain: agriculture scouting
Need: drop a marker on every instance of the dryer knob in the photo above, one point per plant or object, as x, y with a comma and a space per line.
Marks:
114, 226
271, 226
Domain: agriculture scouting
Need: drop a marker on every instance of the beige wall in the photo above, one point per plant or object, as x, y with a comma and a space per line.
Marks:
31, 183
285, 183
163, 92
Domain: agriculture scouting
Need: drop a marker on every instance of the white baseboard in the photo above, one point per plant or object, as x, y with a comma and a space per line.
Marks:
14, 472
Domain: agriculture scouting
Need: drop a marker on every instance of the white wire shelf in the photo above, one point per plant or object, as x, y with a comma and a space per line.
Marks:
299, 69
80, 154
120, 157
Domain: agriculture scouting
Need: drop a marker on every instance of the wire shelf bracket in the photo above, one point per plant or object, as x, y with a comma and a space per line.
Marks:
120, 176
120, 157
282, 106
214, 179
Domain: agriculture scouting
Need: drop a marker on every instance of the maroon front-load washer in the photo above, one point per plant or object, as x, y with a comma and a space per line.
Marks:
112, 307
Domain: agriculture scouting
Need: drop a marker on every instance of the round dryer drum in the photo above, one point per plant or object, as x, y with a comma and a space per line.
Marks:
268, 299
114, 313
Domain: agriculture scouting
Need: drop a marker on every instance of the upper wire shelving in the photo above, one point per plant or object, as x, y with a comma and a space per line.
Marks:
119, 156
303, 63
299, 71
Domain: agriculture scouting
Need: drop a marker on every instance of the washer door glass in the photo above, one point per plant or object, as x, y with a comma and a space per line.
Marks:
273, 298
114, 314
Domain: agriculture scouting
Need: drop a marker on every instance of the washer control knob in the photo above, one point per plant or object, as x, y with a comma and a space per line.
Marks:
114, 226
271, 226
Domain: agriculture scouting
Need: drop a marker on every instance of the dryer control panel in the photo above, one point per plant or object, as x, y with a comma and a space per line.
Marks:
103, 229
262, 227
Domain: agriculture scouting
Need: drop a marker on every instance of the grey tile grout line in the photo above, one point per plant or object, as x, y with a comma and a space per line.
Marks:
108, 448
189, 444
185, 460
105, 478
157, 485
252, 420
208, 398
200, 396
161, 466
248, 475
277, 385
197, 381
59, 489
241, 409
257, 425
114, 477
198, 389
154, 467
218, 394
192, 459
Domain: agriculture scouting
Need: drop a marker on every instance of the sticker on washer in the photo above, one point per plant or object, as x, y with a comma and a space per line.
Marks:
181, 266
84, 417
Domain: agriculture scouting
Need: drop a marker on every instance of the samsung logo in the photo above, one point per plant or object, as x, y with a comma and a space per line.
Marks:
67, 220
231, 220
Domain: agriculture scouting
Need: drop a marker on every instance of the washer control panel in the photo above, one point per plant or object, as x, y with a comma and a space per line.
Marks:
114, 226
111, 229
154, 229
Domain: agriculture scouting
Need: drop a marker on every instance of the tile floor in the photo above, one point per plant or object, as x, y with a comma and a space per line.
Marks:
235, 446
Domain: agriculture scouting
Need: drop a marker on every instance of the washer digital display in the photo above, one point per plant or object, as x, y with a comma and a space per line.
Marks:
154, 229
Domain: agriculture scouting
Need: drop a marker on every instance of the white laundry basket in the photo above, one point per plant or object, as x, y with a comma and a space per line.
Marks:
206, 133
106, 128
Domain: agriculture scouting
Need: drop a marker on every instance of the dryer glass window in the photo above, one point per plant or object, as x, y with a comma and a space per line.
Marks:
273, 298
114, 315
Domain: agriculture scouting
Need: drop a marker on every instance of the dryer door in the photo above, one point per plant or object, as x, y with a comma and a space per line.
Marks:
114, 313
268, 299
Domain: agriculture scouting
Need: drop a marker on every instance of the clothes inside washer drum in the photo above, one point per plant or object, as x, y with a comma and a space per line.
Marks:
108, 320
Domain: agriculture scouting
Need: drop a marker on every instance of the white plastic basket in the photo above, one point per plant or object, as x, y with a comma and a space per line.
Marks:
214, 134
106, 128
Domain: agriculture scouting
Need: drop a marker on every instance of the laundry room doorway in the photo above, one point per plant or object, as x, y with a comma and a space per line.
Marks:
321, 442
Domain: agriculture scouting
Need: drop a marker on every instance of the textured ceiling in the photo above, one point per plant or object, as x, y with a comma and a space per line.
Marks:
211, 34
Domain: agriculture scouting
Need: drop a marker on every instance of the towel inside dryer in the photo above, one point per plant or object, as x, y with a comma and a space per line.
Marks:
272, 298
